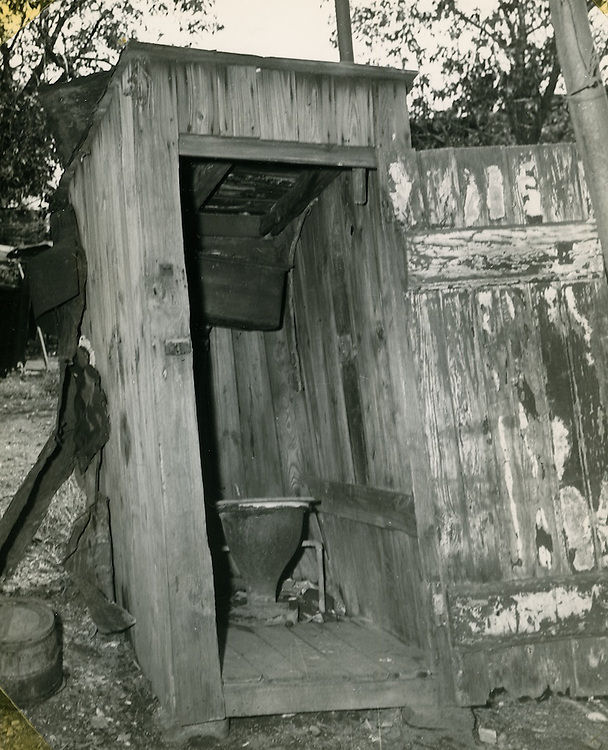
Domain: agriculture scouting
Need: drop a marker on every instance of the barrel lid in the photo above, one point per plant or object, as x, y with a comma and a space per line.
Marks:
24, 619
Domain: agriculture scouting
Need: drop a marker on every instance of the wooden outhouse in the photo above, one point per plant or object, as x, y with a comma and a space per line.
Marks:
284, 299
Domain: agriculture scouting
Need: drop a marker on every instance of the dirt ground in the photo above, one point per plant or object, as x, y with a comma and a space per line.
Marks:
106, 702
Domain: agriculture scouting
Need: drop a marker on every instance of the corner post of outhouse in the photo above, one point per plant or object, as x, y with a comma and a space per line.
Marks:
193, 691
400, 199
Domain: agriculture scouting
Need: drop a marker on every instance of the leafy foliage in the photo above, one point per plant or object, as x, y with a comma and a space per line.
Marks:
69, 38
488, 75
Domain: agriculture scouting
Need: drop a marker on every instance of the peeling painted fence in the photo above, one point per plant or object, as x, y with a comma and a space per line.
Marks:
508, 313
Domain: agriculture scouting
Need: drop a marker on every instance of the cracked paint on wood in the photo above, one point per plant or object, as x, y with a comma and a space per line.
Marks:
537, 610
507, 327
494, 256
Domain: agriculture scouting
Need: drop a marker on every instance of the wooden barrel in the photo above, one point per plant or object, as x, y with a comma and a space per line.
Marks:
30, 650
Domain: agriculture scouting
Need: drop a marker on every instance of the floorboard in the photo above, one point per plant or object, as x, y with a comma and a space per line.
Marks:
321, 667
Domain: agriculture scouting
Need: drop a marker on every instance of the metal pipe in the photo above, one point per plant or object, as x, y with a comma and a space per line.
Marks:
587, 102
345, 33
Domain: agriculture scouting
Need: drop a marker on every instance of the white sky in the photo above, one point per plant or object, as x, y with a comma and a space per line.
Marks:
271, 28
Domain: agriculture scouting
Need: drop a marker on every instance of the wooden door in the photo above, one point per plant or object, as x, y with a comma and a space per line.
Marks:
512, 391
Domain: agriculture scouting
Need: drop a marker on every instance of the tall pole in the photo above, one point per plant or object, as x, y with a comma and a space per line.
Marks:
587, 101
345, 33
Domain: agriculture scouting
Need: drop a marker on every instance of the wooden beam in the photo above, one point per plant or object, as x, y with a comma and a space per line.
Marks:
306, 188
137, 50
497, 255
527, 611
205, 179
383, 508
286, 152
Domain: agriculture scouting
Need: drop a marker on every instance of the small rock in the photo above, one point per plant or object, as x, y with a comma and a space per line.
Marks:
488, 736
596, 716
314, 730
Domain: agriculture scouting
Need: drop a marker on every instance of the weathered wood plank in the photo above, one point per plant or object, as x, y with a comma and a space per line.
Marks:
442, 200
337, 460
342, 298
264, 653
354, 112
198, 100
519, 427
282, 151
565, 252
586, 309
474, 455
382, 648
258, 435
231, 472
517, 612
288, 428
278, 104
175, 636
590, 658
205, 179
481, 183
340, 656
523, 170
427, 342
377, 507
306, 188
572, 505
344, 561
303, 696
242, 93
558, 177
316, 109
192, 632
166, 53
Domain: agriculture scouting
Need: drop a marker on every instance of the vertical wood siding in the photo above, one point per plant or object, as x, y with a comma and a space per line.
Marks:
125, 192
509, 362
241, 100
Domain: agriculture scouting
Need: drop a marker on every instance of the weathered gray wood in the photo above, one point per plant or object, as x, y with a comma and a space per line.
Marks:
263, 477
334, 666
227, 427
516, 612
163, 565
205, 179
496, 256
301, 697
383, 508
163, 52
282, 151
307, 187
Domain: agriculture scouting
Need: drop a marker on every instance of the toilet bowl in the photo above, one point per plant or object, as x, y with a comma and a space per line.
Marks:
263, 534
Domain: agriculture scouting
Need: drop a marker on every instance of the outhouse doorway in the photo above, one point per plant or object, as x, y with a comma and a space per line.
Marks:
243, 217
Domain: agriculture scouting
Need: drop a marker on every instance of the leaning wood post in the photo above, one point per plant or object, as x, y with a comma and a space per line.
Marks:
587, 100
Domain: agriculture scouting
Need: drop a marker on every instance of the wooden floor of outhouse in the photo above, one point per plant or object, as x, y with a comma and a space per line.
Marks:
321, 667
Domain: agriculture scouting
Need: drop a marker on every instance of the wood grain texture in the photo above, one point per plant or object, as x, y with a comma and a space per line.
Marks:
163, 572
487, 187
342, 305
485, 257
382, 508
